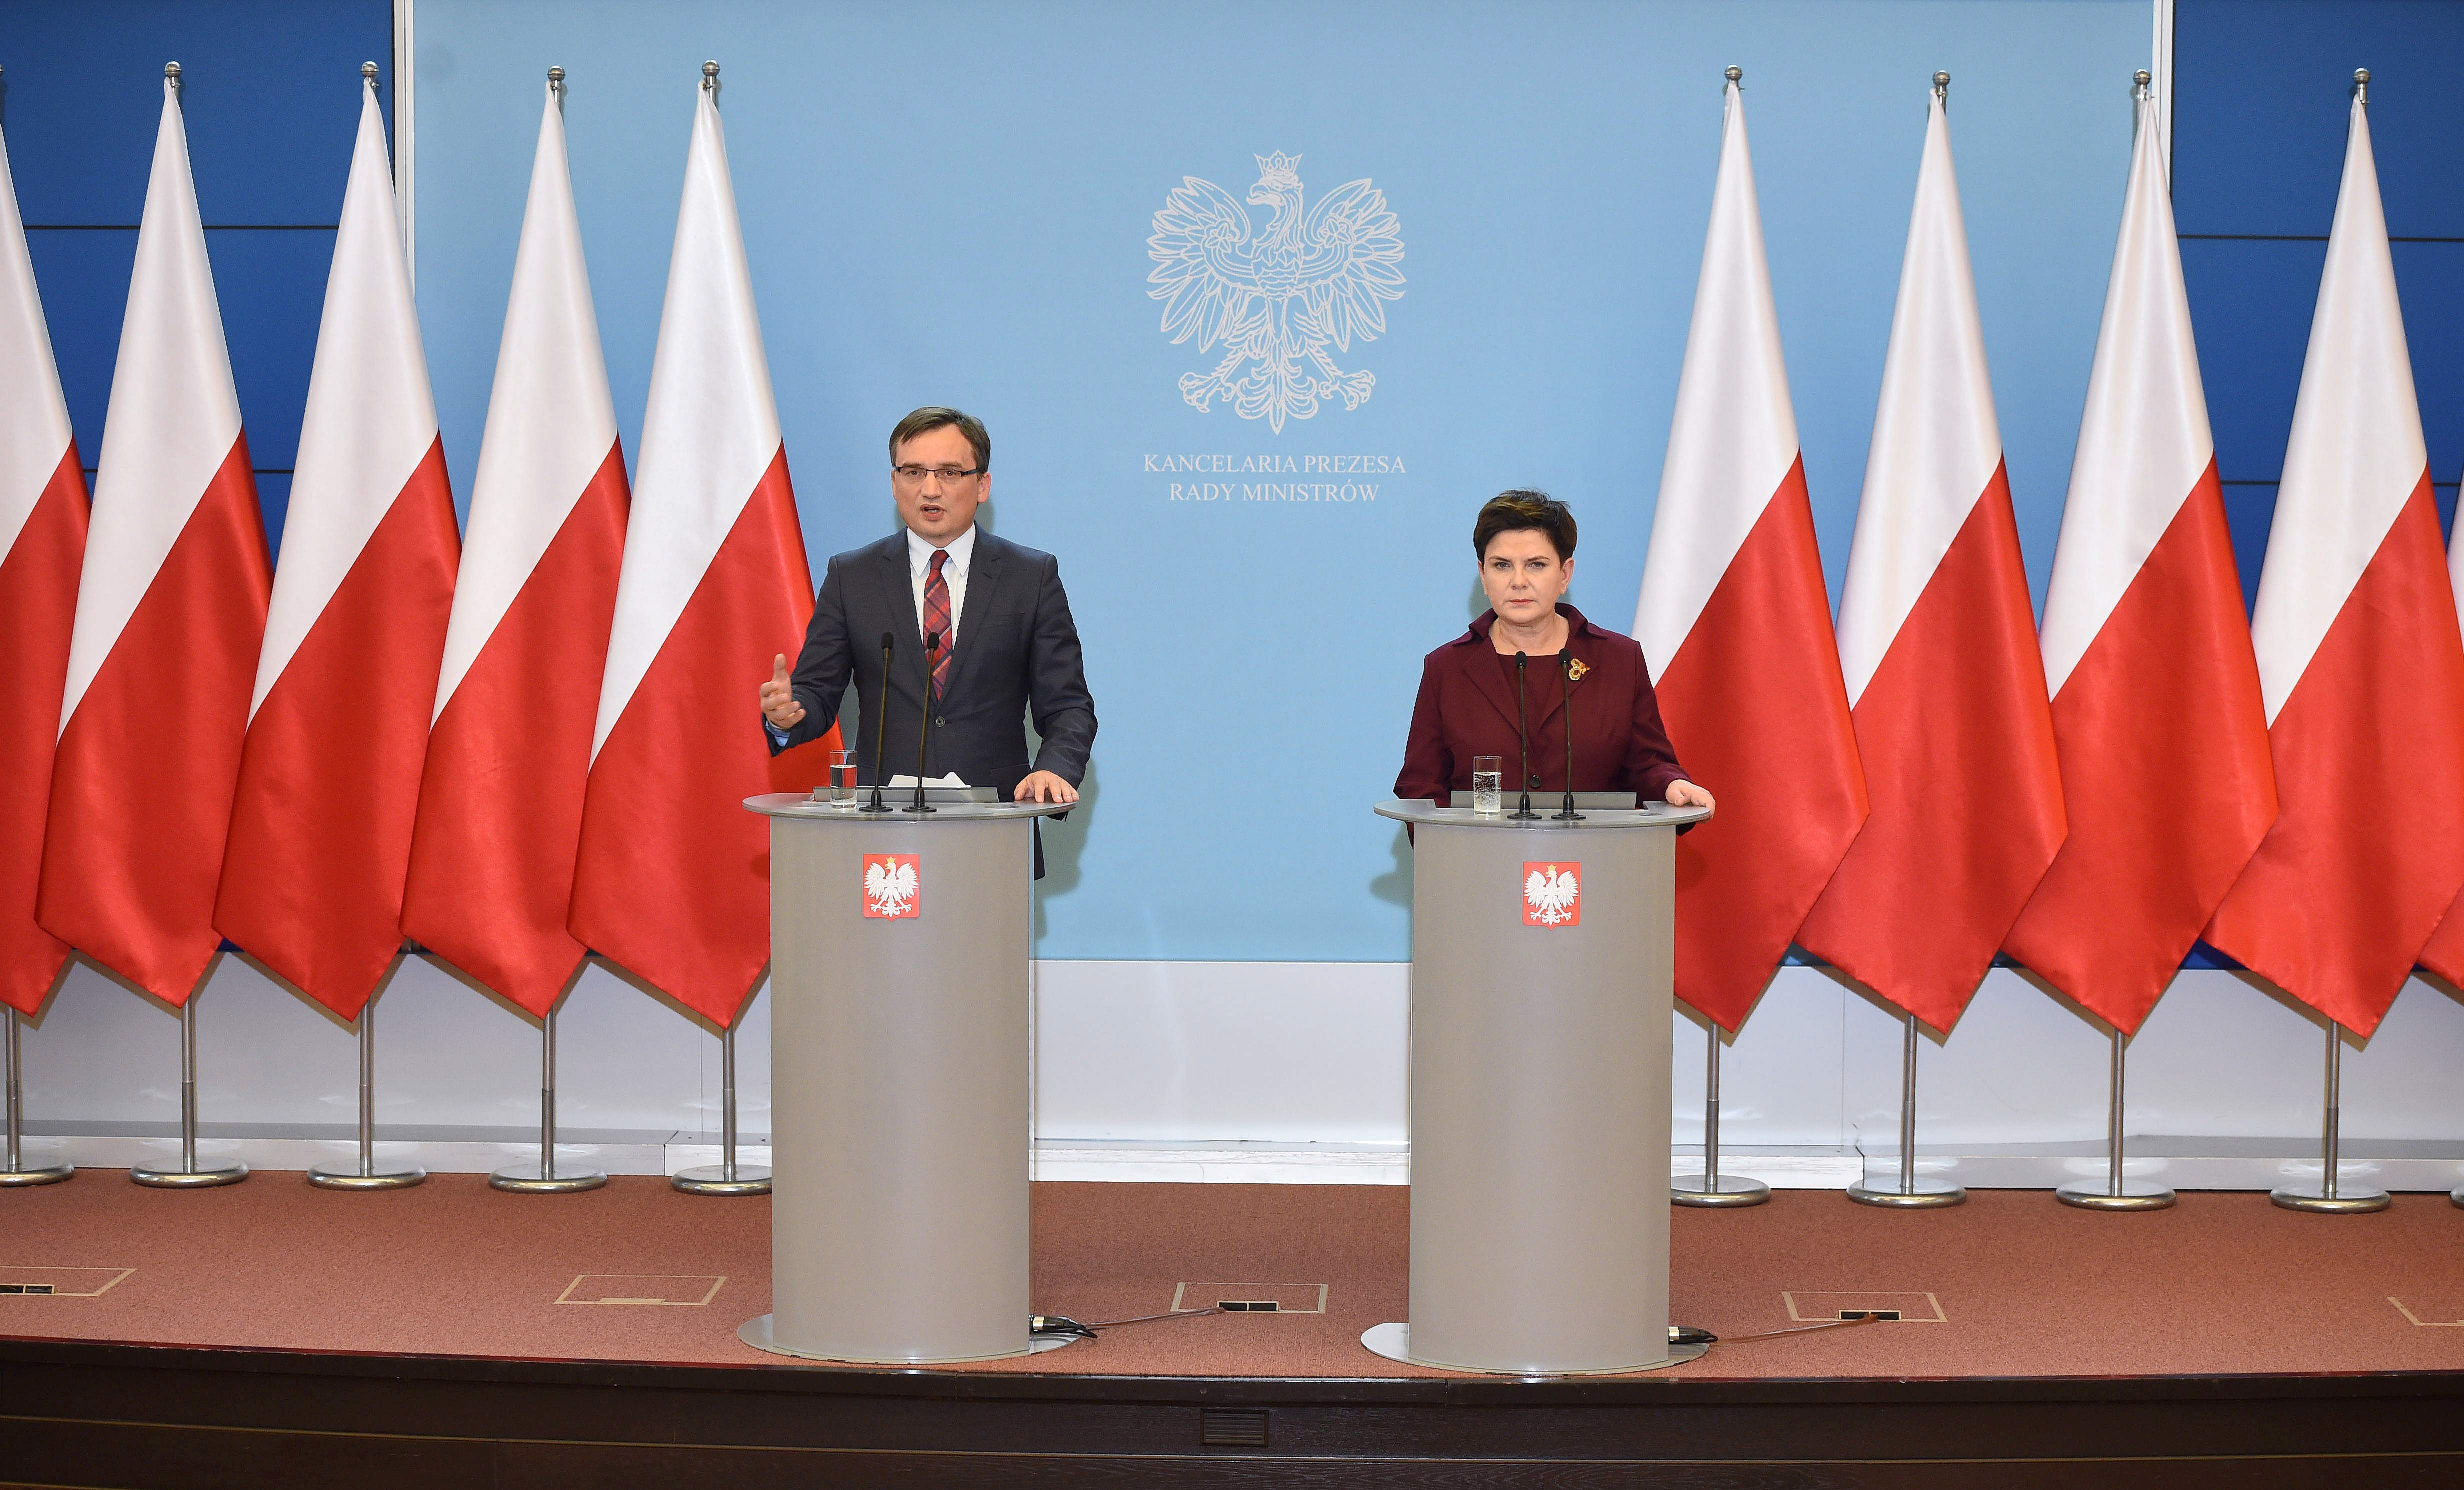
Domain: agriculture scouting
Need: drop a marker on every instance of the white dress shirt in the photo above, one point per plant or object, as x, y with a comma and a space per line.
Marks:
953, 574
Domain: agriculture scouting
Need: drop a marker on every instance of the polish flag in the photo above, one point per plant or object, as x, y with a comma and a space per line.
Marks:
2359, 658
674, 876
2156, 699
500, 806
43, 513
170, 611
2445, 954
1939, 645
320, 832
1736, 626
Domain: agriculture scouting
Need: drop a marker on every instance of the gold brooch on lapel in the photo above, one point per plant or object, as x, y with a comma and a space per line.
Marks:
1576, 668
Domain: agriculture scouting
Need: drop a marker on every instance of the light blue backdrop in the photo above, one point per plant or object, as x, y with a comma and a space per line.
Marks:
950, 203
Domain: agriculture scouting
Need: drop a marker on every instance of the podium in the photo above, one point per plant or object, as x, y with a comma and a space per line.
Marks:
899, 1081
1542, 967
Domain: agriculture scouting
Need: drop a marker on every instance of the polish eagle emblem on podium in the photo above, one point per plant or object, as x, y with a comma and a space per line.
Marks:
1553, 894
893, 886
1275, 298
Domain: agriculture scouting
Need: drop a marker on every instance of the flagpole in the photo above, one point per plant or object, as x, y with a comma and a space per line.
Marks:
365, 1175
1710, 1189
2117, 1192
2331, 1197
16, 1173
189, 1176
542, 1176
726, 1178
1911, 1193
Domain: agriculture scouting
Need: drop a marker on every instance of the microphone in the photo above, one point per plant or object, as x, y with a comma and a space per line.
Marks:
924, 733
881, 735
1523, 813
1566, 669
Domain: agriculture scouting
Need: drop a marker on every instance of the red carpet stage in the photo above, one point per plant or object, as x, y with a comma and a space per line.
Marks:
274, 1334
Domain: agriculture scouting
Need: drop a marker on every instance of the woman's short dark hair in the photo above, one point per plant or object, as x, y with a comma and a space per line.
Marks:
932, 417
1513, 512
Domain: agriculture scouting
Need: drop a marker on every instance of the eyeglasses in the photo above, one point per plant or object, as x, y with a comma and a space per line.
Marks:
951, 476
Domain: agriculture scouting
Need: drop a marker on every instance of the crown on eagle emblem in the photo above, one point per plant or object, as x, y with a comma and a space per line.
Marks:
1279, 170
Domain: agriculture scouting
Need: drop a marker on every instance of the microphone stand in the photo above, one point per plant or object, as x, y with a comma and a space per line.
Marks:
1566, 670
924, 734
1523, 813
881, 735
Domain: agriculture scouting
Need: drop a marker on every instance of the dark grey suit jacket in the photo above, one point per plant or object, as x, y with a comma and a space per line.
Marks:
1017, 655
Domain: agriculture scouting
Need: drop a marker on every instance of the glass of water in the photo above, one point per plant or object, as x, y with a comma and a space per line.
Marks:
1487, 785
843, 779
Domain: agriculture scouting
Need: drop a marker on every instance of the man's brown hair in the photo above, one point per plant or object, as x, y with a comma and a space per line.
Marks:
932, 417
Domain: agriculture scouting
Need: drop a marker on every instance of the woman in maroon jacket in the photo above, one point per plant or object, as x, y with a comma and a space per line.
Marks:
1468, 704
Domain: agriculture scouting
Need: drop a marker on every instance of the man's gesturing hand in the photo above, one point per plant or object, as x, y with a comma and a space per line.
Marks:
778, 697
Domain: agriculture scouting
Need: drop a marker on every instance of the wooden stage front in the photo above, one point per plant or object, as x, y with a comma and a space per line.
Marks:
272, 1334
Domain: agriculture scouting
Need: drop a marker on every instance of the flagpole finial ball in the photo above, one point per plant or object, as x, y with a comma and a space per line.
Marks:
556, 76
2361, 75
172, 70
710, 69
2143, 77
1942, 82
1735, 73
368, 71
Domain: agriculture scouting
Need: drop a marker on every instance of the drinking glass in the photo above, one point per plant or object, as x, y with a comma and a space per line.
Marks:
843, 779
1487, 785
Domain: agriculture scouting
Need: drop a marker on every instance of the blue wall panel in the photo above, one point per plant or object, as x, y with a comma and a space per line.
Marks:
2250, 306
2261, 93
271, 105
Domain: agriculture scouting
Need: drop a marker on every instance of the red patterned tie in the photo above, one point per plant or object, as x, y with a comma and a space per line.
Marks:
936, 620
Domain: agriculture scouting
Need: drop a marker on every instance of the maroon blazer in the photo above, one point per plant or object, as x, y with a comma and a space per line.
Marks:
1467, 709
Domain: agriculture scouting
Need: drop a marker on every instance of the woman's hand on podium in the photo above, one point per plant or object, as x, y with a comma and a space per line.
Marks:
1685, 793
1042, 786
778, 697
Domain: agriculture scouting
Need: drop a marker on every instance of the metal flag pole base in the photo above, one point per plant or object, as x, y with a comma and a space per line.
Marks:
726, 1178
544, 1177
1711, 1190
1910, 1193
2116, 1192
190, 1175
18, 1173
2331, 1197
367, 1173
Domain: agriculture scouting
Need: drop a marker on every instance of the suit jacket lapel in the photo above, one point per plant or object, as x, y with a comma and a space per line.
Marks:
900, 576
1490, 676
985, 572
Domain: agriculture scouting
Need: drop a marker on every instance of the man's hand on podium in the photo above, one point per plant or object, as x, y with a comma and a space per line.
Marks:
778, 697
1042, 786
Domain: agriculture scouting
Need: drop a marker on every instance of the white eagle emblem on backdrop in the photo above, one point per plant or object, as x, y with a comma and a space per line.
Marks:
1552, 894
1275, 299
892, 884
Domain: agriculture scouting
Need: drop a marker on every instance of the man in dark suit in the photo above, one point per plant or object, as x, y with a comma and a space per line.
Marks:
1005, 646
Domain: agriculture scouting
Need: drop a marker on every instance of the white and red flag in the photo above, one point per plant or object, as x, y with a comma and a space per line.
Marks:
2156, 701
1736, 627
1938, 641
170, 610
674, 876
2443, 954
43, 515
2359, 658
321, 829
500, 804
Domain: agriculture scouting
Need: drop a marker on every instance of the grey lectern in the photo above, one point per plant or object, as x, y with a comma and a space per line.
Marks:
1541, 964
898, 1070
